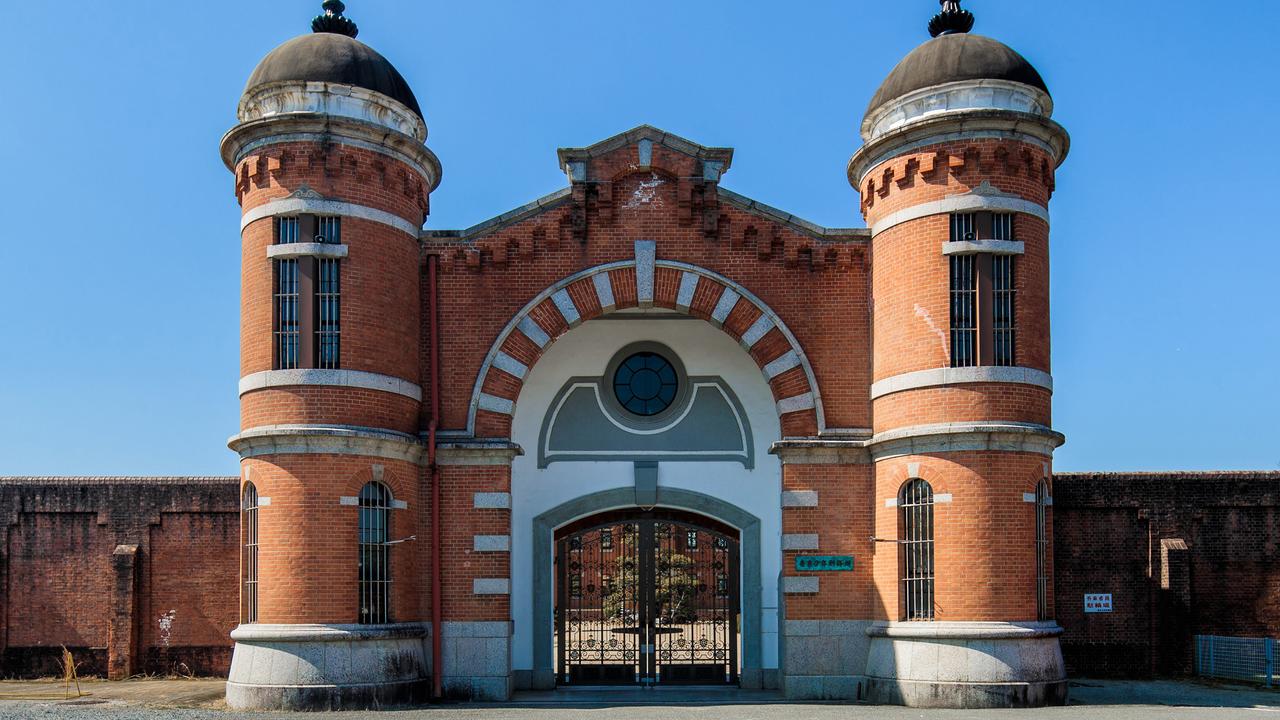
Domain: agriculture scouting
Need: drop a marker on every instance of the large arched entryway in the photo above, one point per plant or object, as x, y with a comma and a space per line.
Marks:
647, 597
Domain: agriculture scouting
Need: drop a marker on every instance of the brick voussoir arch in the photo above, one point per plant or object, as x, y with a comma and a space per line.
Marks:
668, 284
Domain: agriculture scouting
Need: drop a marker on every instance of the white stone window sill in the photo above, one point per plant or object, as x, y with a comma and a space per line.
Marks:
311, 249
994, 247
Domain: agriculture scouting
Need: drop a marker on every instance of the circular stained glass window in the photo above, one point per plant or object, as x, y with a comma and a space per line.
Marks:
646, 384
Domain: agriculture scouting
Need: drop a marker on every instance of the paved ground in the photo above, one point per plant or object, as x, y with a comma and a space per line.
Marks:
201, 700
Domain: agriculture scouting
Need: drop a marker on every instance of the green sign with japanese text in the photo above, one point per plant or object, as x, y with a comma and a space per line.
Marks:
824, 563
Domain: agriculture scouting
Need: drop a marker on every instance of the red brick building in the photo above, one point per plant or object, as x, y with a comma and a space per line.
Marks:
643, 430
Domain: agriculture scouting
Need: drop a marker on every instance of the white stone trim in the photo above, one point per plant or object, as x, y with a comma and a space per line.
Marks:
568, 310
940, 377
307, 249
491, 586
326, 440
966, 437
476, 453
955, 97
758, 329
316, 206
604, 292
724, 306
491, 501
646, 263
782, 364
510, 365
684, 296
332, 99
263, 501
805, 541
807, 585
967, 202
939, 498
823, 451
795, 404
913, 470
799, 499
348, 500
496, 404
533, 331
399, 505
329, 378
891, 502
491, 543
990, 247
1031, 498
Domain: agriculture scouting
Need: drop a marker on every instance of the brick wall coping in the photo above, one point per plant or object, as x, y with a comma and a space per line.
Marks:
30, 480
965, 630
1199, 475
506, 219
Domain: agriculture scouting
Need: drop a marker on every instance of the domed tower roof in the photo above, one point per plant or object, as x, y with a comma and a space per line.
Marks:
333, 55
954, 57
953, 72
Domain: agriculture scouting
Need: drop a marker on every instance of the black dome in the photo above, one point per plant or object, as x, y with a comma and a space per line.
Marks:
331, 57
955, 57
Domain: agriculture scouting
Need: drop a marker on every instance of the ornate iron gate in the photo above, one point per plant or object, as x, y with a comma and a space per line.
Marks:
648, 598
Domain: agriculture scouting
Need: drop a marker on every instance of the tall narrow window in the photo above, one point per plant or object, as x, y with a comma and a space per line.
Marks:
286, 230
375, 560
1042, 551
916, 547
249, 555
286, 310
1002, 294
328, 314
328, 230
964, 311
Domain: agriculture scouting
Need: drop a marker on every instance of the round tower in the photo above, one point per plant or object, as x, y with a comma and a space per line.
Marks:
333, 181
955, 178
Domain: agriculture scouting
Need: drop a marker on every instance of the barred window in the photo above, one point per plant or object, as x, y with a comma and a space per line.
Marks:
328, 314
374, 559
963, 227
328, 230
249, 554
1002, 295
1042, 551
916, 549
606, 540
1002, 226
286, 230
286, 314
964, 311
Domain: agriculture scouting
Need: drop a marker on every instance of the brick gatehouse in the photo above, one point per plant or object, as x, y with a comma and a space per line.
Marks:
643, 430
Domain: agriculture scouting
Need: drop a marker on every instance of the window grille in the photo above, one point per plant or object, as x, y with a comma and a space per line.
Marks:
964, 311
1042, 551
286, 310
916, 548
329, 230
1002, 226
328, 314
963, 227
691, 540
286, 230
1002, 296
249, 558
606, 540
375, 554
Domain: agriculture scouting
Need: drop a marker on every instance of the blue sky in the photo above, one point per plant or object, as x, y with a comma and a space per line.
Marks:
120, 273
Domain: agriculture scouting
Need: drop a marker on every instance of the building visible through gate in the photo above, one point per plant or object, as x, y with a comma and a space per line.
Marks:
647, 598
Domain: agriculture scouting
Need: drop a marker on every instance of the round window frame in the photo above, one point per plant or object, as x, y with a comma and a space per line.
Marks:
684, 390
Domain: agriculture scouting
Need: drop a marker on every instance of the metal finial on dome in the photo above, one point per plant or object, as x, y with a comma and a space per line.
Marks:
332, 20
951, 20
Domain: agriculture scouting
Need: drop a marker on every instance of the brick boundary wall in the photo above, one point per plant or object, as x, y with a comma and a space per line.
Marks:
139, 575
1125, 534
134, 575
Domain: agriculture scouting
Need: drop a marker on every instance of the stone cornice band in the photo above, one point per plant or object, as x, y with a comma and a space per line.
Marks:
330, 378
961, 203
962, 125
921, 439
942, 377
943, 630
990, 247
314, 127
296, 205
327, 440
265, 632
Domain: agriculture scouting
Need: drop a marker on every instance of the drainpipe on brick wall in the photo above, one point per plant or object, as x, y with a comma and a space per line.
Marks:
437, 672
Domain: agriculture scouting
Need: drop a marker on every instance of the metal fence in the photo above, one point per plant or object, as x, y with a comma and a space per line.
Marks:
1248, 659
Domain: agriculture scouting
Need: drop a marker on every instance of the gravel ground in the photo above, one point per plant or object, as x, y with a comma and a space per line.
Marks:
1091, 700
